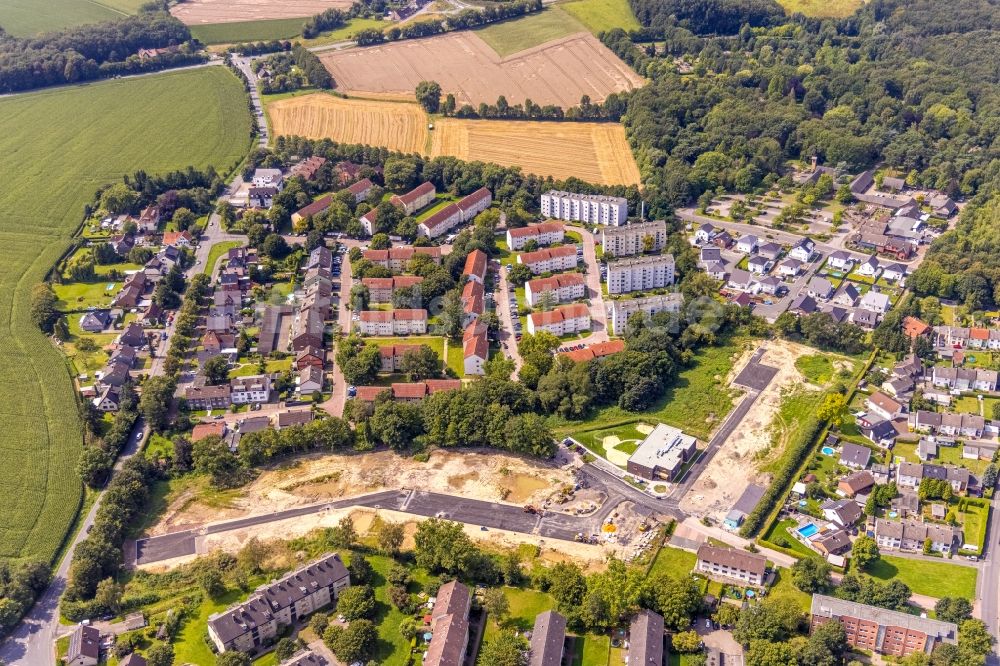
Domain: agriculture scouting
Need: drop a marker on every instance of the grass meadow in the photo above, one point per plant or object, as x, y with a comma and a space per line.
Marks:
247, 31
508, 37
602, 15
934, 579
25, 18
58, 146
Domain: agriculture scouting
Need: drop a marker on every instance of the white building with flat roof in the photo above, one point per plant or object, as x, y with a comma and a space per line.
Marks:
621, 309
636, 238
592, 208
640, 273
662, 454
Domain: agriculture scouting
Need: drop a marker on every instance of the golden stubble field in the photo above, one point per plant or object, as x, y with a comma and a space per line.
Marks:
595, 152
196, 12
557, 72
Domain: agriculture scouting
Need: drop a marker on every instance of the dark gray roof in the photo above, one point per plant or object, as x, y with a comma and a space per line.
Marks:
748, 500
855, 454
547, 639
134, 659
85, 641
645, 637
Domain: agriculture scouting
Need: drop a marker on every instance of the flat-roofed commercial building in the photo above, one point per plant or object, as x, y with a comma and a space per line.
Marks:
662, 454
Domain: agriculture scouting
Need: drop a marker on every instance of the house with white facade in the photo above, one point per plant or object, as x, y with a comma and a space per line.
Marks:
573, 318
545, 233
621, 309
562, 288
550, 260
640, 273
591, 208
635, 238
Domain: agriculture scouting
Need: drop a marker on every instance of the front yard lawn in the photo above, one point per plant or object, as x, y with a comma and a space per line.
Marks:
79, 296
947, 455
933, 579
673, 561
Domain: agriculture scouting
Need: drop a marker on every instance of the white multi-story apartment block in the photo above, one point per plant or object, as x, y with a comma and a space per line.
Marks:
621, 309
253, 389
561, 258
640, 273
393, 322
564, 288
545, 233
592, 208
562, 320
635, 238
732, 564
257, 621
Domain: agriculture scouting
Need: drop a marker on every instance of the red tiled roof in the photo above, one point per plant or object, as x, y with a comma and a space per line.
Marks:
406, 281
415, 193
979, 334
397, 350
547, 253
203, 430
377, 282
377, 316
316, 207
436, 385
475, 264
410, 314
360, 187
369, 393
535, 229
171, 237
441, 216
554, 282
914, 328
476, 345
472, 297
474, 198
414, 390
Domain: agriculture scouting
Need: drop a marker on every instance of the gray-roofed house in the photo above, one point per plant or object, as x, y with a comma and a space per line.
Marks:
926, 449
746, 244
802, 304
95, 321
876, 302
790, 267
837, 313
740, 279
841, 260
880, 431
910, 535
548, 638
865, 318
759, 264
84, 647
744, 506
645, 637
843, 512
769, 251
847, 295
855, 455
136, 659
819, 288
832, 543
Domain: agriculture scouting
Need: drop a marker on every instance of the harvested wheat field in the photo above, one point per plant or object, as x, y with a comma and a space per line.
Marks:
196, 12
558, 72
596, 152
401, 127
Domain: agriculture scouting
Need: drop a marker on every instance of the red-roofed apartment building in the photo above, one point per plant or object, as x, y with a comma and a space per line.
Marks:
409, 392
392, 356
475, 266
396, 258
415, 199
393, 322
473, 301
564, 319
599, 350
564, 288
380, 290
476, 348
454, 214
562, 258
545, 233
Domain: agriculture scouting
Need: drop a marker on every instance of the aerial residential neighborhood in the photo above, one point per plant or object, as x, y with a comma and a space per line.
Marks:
528, 333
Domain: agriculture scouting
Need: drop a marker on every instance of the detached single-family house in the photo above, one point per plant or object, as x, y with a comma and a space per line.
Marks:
790, 268
770, 285
894, 272
740, 279
803, 304
716, 270
704, 234
759, 265
842, 512
770, 251
708, 255
847, 295
879, 431
869, 268
855, 455
884, 406
803, 250
856, 483
95, 321
84, 646
819, 288
865, 318
841, 260
747, 244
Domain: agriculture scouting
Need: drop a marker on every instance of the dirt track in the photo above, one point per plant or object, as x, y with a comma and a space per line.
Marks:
197, 12
557, 72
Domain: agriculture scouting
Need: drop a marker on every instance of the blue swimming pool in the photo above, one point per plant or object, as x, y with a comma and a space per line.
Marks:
827, 451
808, 530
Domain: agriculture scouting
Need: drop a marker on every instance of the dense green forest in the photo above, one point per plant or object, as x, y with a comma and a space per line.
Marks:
912, 84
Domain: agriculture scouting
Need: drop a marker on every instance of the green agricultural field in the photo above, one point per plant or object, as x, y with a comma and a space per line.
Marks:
934, 579
345, 32
821, 8
602, 15
248, 31
30, 17
523, 33
59, 146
